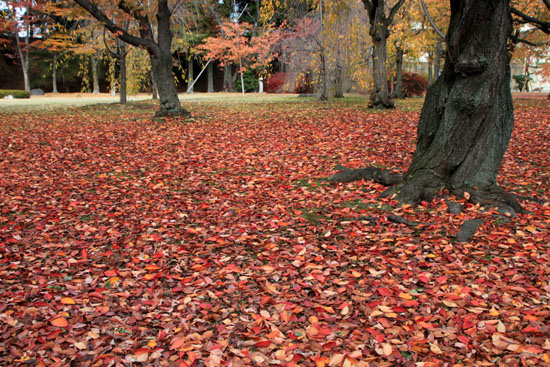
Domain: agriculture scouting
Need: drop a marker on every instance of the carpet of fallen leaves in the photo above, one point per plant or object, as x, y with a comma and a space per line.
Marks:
215, 242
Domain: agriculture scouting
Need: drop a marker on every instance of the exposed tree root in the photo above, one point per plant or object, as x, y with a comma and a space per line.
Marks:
400, 220
468, 230
379, 175
170, 114
425, 184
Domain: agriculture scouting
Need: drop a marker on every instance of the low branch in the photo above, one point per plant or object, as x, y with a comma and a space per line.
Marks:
527, 19
114, 28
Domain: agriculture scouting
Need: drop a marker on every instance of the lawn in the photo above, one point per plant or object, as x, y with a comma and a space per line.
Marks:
216, 241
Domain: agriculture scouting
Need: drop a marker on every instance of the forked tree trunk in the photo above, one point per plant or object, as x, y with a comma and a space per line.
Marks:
467, 118
380, 22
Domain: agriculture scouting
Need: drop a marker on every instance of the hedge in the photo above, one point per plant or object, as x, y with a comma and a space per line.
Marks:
15, 93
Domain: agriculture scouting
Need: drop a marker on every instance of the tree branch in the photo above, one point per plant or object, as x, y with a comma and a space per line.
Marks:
368, 6
431, 20
524, 18
114, 28
394, 11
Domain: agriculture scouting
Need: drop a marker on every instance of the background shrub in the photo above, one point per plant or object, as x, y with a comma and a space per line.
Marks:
414, 84
250, 82
15, 93
275, 82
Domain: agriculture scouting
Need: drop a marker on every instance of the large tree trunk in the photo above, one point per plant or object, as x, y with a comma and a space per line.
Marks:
380, 96
166, 86
467, 118
161, 64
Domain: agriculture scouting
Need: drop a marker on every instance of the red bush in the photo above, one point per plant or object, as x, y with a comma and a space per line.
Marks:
414, 84
275, 82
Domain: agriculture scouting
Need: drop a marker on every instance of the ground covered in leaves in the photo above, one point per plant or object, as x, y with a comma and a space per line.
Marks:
216, 242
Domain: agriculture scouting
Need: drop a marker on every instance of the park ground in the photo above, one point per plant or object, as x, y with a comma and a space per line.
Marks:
215, 240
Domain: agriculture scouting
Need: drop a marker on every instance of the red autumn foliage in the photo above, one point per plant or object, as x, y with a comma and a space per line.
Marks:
215, 242
275, 82
414, 85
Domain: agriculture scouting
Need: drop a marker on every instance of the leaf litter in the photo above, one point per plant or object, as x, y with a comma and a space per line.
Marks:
217, 242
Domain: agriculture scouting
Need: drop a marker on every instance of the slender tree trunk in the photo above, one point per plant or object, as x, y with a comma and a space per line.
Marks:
467, 118
430, 69
392, 82
24, 55
54, 73
190, 74
323, 94
339, 81
95, 71
525, 87
122, 65
399, 74
210, 77
26, 79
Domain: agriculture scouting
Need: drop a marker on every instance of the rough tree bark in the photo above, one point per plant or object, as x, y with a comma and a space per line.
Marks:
379, 33
159, 49
467, 118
